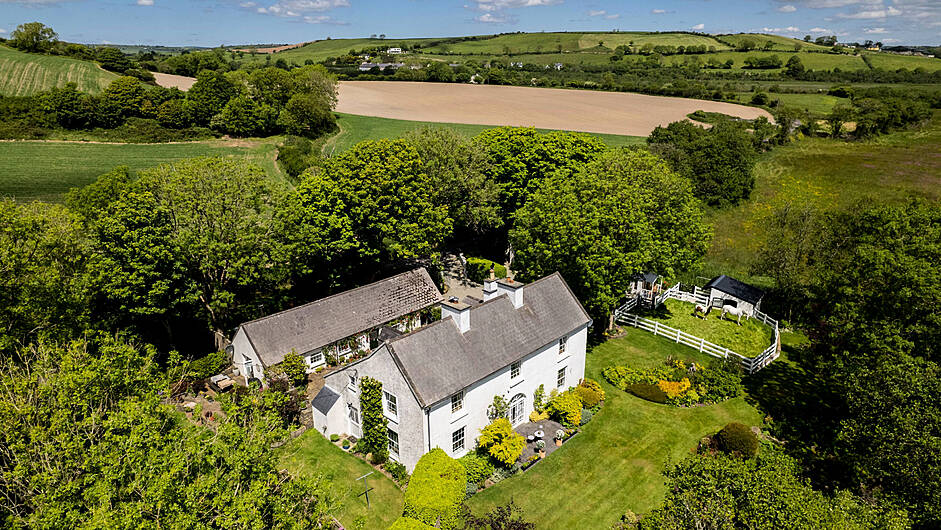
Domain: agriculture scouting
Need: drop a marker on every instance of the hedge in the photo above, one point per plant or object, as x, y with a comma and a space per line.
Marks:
436, 491
648, 392
478, 269
736, 438
407, 523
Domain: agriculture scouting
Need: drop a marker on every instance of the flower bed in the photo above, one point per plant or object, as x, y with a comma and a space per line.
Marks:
680, 383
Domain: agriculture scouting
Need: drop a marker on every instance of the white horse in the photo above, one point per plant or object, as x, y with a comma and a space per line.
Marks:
701, 311
735, 312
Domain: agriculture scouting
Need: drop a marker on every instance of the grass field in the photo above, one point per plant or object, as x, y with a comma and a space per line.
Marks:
312, 454
639, 39
615, 464
812, 61
831, 174
320, 50
780, 43
355, 129
890, 61
818, 104
46, 170
749, 339
22, 74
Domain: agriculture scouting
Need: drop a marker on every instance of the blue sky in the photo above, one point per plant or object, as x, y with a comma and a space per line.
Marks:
214, 22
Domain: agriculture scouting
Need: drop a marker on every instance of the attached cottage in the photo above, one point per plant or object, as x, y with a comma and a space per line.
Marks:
726, 290
438, 380
334, 326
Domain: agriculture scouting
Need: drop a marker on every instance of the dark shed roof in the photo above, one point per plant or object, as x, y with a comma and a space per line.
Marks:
736, 288
325, 399
317, 324
438, 360
649, 277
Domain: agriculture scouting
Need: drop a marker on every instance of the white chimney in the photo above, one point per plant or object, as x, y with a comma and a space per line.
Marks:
490, 289
513, 289
459, 312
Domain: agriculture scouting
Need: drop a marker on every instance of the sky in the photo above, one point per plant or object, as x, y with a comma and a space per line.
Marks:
216, 22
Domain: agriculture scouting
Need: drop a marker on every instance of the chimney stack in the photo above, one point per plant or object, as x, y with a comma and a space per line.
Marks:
459, 312
513, 289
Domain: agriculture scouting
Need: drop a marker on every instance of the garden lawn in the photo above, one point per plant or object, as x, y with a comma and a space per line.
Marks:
312, 454
616, 463
749, 339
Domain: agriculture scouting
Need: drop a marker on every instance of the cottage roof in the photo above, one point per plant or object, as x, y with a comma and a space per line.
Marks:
325, 399
321, 322
649, 277
438, 360
736, 288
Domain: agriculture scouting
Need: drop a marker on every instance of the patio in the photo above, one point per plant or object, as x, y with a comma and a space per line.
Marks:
548, 428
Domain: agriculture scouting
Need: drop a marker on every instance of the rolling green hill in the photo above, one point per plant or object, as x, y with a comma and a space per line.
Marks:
780, 43
22, 74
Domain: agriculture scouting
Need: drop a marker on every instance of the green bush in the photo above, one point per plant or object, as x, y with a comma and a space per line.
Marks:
736, 438
501, 441
375, 432
335, 438
721, 381
379, 457
294, 368
436, 491
470, 490
586, 417
588, 396
407, 523
478, 269
566, 408
478, 467
397, 471
648, 391
208, 366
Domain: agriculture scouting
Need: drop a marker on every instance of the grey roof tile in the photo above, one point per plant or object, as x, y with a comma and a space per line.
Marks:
325, 399
736, 288
322, 322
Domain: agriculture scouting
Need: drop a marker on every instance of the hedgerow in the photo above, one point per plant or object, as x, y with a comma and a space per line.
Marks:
436, 491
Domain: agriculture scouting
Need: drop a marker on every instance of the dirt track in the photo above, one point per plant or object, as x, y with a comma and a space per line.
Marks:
544, 108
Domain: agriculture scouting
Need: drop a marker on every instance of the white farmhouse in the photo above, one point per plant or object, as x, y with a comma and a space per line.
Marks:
438, 380
394, 51
337, 325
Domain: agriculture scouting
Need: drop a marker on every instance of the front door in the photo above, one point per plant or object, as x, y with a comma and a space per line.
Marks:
516, 410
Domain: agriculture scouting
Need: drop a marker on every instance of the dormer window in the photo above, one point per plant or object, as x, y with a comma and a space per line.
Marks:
457, 402
562, 342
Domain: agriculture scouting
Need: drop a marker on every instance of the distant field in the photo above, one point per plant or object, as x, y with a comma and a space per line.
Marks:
320, 50
817, 104
517, 43
46, 170
780, 43
22, 74
813, 61
833, 174
890, 61
613, 40
355, 129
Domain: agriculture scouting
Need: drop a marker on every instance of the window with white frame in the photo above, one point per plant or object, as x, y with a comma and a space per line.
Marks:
562, 342
352, 377
515, 369
457, 440
560, 378
457, 402
393, 442
316, 358
354, 415
392, 406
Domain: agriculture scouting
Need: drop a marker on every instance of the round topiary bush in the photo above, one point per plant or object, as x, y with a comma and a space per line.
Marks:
334, 437
736, 438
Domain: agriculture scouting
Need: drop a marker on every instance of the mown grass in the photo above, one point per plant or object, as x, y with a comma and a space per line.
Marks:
355, 129
46, 170
832, 174
890, 61
22, 74
311, 454
616, 463
749, 339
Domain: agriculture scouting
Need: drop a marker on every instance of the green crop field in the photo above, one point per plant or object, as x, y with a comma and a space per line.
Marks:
813, 61
891, 61
613, 40
780, 43
831, 174
320, 50
514, 43
46, 170
22, 74
355, 129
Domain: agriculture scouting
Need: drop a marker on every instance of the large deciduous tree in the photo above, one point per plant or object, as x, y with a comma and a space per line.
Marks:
33, 37
621, 214
208, 96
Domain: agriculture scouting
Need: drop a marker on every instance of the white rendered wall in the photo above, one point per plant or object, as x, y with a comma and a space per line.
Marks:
242, 351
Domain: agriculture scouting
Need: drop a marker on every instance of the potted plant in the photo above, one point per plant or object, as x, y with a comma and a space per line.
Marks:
541, 446
346, 444
559, 435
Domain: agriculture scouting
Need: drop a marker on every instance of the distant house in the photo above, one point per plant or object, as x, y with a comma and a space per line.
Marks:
438, 381
394, 51
726, 290
516, 64
334, 326
365, 67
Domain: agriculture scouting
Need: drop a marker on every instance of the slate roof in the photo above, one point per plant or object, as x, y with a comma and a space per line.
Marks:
648, 277
315, 325
325, 399
736, 288
438, 360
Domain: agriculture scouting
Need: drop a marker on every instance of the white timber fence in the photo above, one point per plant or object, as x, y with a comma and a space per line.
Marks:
751, 364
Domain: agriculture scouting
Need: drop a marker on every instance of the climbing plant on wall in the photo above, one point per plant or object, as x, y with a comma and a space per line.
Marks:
374, 421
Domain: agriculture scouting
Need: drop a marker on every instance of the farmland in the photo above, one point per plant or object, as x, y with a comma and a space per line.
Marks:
46, 170
22, 74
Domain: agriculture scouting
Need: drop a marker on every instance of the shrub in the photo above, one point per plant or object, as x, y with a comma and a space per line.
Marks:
586, 417
648, 391
721, 381
673, 389
470, 489
374, 420
407, 523
736, 438
478, 269
478, 467
436, 491
294, 368
208, 366
622, 377
593, 385
501, 441
334, 438
397, 471
565, 408
536, 417
539, 398
379, 457
588, 396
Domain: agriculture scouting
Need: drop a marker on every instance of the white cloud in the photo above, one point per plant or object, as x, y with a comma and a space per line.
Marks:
490, 18
698, 27
597, 12
496, 5
324, 19
2, 30
889, 41
874, 31
871, 14
613, 16
821, 30
145, 2
787, 9
658, 11
789, 29
248, 4
296, 8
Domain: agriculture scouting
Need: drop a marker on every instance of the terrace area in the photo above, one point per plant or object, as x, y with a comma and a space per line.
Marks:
533, 431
